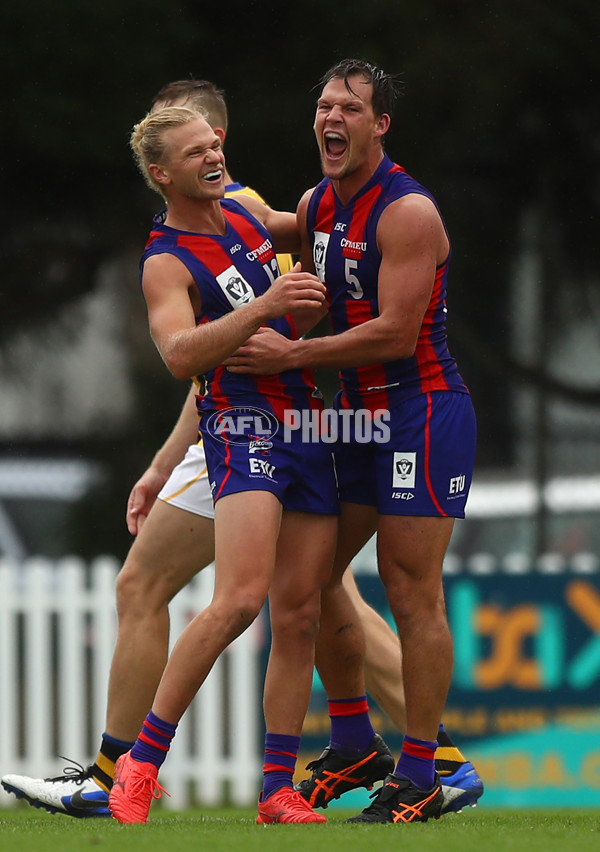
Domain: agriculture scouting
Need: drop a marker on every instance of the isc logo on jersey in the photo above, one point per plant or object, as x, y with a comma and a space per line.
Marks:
235, 287
404, 475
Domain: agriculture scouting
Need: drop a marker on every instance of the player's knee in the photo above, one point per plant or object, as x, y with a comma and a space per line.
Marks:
415, 602
299, 618
127, 590
243, 608
139, 590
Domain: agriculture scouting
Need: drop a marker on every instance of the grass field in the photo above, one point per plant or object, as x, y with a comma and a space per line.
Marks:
24, 829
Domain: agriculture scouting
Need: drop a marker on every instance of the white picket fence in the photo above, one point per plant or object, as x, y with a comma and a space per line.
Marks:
57, 633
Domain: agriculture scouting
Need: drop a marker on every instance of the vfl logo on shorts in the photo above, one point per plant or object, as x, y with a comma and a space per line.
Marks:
235, 287
404, 471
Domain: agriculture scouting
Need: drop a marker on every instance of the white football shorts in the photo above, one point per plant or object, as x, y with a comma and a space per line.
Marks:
188, 486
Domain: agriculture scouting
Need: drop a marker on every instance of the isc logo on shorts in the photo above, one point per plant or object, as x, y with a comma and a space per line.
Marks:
404, 471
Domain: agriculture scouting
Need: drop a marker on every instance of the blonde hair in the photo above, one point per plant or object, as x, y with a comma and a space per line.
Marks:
147, 138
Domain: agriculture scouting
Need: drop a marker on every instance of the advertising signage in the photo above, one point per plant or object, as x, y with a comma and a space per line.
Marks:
524, 704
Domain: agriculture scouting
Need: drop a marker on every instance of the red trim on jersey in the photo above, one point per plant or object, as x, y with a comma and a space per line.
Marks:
372, 375
358, 311
427, 458
293, 327
358, 223
397, 168
315, 403
431, 372
253, 238
221, 400
273, 388
154, 235
208, 250
326, 211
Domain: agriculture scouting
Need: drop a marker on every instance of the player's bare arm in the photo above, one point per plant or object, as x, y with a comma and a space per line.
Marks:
145, 491
173, 302
271, 347
306, 257
305, 319
412, 243
284, 231
280, 224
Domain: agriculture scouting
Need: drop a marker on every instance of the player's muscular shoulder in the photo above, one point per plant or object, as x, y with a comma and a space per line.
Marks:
301, 213
302, 210
303, 203
165, 277
167, 269
258, 208
413, 223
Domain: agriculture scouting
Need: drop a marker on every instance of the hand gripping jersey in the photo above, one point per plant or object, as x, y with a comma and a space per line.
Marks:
230, 271
347, 260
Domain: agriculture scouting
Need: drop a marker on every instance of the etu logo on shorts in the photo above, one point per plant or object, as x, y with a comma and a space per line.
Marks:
260, 467
457, 484
404, 470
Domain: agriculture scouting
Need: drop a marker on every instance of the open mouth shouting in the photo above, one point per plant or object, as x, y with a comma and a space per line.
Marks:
335, 144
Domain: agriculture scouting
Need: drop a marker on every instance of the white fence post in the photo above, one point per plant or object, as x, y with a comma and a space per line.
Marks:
72, 705
57, 633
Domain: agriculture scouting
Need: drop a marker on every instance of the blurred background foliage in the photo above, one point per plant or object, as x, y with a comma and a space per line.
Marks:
499, 117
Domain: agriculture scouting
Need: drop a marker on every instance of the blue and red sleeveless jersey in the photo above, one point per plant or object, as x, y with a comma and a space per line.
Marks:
230, 271
347, 260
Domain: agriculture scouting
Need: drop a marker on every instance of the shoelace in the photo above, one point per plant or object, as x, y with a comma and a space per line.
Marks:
141, 782
380, 796
75, 773
361, 758
378, 808
318, 763
299, 802
296, 804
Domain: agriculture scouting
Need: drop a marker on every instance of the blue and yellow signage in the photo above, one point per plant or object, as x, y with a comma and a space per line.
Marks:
525, 698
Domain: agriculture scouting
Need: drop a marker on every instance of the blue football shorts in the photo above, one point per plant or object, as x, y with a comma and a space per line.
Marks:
422, 465
300, 473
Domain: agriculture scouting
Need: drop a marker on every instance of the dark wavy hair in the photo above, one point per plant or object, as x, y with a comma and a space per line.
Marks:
385, 86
